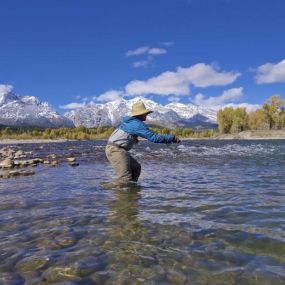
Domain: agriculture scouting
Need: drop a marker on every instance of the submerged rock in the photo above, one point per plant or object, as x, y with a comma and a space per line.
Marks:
65, 240
32, 263
61, 273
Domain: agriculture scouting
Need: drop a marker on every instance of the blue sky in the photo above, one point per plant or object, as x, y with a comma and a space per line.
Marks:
210, 52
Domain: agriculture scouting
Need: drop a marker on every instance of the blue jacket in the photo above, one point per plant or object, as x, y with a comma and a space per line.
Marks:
127, 132
136, 127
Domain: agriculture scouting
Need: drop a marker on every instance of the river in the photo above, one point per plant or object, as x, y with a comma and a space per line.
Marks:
204, 212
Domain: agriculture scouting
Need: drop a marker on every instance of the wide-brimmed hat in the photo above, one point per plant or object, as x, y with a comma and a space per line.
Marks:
139, 108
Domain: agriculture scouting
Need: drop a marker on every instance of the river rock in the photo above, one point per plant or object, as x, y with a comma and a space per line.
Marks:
20, 173
7, 152
71, 159
55, 163
32, 263
100, 277
61, 273
65, 240
19, 154
37, 160
7, 163
52, 156
73, 164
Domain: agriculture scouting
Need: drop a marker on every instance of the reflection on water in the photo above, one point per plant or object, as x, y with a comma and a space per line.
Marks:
205, 212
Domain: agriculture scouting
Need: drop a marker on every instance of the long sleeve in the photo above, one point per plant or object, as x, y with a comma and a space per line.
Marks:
144, 132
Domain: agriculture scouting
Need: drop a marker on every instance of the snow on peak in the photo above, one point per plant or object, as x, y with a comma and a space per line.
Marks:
111, 113
29, 111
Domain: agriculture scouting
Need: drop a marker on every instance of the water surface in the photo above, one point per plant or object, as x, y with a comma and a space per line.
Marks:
205, 212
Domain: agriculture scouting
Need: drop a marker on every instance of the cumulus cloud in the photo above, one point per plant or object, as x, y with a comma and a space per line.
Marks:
4, 89
72, 106
146, 50
110, 95
230, 95
178, 82
271, 73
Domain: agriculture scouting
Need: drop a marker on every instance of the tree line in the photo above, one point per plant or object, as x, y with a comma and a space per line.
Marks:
270, 117
83, 133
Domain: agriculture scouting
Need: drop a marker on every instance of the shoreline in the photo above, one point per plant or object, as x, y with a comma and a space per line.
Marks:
42, 141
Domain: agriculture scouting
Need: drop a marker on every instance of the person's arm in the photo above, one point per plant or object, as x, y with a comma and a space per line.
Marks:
144, 132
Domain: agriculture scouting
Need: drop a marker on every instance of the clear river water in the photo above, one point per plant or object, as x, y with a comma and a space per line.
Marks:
204, 212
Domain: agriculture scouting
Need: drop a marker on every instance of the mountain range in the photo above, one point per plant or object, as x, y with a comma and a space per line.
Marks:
171, 115
28, 111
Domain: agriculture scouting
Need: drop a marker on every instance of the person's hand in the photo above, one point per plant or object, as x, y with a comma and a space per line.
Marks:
176, 139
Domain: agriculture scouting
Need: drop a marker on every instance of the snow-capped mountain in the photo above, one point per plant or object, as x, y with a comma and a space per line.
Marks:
28, 111
171, 115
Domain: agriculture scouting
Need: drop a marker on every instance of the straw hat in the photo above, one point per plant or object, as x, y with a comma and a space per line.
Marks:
139, 108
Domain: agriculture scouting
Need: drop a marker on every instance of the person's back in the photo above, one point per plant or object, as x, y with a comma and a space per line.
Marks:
124, 138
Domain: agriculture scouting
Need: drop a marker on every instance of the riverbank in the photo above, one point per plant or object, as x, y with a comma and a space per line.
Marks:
246, 135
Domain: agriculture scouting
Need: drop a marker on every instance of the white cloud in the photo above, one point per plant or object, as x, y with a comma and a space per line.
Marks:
271, 73
141, 63
110, 95
157, 51
146, 50
247, 106
167, 83
72, 106
138, 51
228, 96
4, 89
203, 75
178, 82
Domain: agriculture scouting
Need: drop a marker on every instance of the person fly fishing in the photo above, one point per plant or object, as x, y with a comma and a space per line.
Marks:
125, 137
